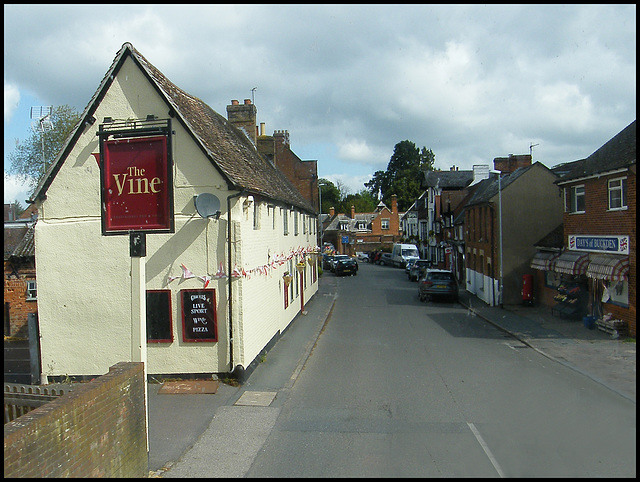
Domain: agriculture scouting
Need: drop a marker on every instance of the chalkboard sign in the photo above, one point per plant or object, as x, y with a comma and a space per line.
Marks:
159, 316
199, 315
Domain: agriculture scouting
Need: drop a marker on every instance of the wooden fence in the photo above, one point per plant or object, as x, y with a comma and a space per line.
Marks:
20, 399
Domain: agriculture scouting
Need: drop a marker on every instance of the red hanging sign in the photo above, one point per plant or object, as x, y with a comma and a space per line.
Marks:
136, 186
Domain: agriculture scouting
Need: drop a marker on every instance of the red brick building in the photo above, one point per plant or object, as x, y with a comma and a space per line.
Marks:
277, 150
363, 232
20, 293
599, 251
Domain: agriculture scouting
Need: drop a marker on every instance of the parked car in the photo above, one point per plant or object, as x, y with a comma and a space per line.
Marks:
385, 259
362, 256
346, 266
326, 261
438, 283
335, 259
418, 268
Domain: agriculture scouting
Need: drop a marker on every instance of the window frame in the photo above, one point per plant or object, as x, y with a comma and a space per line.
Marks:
572, 206
622, 189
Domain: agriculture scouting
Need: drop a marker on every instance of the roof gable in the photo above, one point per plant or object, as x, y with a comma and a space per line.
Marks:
617, 153
228, 149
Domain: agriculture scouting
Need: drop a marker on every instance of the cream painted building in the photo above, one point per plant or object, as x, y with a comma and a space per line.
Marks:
238, 258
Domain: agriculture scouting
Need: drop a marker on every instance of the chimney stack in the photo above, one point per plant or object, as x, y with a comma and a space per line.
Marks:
332, 211
511, 163
394, 204
353, 212
243, 117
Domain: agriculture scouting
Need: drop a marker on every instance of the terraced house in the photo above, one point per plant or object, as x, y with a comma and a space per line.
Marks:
154, 184
599, 225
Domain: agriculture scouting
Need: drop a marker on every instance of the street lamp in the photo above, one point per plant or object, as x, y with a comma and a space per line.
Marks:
320, 211
499, 173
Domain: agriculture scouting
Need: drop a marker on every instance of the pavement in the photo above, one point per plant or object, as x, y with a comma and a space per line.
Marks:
187, 431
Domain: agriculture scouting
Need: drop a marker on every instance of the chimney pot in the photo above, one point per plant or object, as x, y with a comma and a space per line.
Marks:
247, 101
234, 102
261, 128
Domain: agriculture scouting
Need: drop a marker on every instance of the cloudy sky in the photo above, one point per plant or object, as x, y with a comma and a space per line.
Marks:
349, 82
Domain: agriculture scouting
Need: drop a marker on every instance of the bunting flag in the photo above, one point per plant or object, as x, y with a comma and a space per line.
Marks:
272, 265
220, 274
186, 274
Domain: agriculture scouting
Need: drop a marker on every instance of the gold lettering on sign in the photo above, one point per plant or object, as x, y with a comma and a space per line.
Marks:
136, 182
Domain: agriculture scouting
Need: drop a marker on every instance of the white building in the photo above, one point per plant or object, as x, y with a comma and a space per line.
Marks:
219, 289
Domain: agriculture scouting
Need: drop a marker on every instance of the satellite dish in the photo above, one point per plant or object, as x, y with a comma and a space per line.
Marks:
207, 205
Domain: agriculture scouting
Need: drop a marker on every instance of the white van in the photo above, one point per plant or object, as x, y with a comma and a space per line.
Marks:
402, 253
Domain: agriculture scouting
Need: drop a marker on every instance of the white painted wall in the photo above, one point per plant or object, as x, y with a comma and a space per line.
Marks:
84, 278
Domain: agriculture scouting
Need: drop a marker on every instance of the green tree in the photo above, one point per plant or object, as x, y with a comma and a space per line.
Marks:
330, 195
27, 160
403, 175
363, 202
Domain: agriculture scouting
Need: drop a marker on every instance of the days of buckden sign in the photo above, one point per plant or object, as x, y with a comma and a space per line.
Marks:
599, 244
136, 186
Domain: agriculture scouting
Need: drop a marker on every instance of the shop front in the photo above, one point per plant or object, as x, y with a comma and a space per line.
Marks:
572, 290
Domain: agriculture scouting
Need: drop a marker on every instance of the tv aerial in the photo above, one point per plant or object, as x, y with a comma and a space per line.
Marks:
41, 122
41, 118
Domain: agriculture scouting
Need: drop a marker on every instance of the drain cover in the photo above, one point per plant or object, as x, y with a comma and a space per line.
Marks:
256, 399
189, 387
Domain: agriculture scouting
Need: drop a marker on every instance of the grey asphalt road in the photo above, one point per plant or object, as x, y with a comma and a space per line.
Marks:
393, 387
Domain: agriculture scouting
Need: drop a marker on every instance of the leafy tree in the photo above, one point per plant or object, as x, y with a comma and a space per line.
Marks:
362, 201
27, 160
330, 195
19, 208
403, 175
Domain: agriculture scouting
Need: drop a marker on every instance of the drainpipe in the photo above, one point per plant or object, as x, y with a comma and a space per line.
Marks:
229, 289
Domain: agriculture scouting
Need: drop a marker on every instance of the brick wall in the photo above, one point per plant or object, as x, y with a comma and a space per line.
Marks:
97, 430
597, 220
15, 294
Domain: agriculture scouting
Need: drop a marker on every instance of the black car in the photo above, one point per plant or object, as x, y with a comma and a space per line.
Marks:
346, 266
326, 261
438, 283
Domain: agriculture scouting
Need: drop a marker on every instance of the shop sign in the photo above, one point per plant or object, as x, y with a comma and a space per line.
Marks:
136, 186
199, 315
599, 244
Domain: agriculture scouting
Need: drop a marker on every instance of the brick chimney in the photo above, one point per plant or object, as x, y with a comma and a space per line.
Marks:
394, 204
332, 211
353, 212
511, 163
281, 137
243, 116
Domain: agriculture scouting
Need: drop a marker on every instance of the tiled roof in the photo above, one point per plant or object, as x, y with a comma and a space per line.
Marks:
19, 241
554, 239
226, 146
617, 153
447, 179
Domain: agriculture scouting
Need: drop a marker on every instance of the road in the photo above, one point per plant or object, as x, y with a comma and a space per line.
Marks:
399, 388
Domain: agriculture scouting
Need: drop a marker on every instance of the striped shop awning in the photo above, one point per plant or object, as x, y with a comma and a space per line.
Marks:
606, 266
572, 262
544, 260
